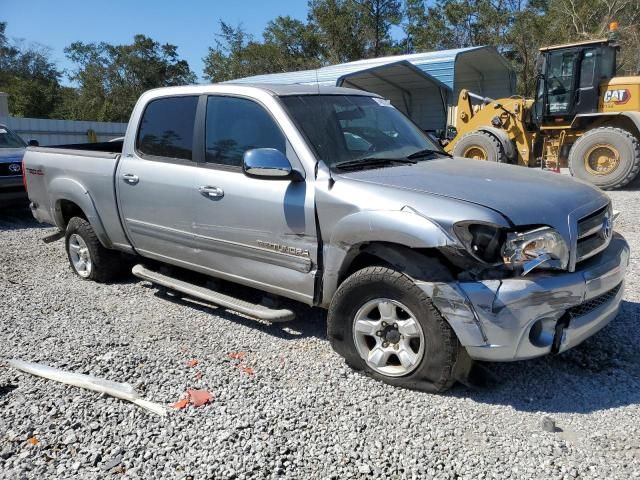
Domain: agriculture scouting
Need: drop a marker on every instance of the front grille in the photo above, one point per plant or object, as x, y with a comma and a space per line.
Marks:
591, 305
594, 233
13, 169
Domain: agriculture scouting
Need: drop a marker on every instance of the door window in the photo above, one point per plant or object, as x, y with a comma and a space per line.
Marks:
166, 128
235, 125
560, 77
587, 69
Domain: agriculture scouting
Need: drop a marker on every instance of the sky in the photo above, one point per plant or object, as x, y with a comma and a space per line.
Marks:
189, 24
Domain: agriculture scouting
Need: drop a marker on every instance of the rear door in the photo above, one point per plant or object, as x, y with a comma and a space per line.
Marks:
156, 180
254, 231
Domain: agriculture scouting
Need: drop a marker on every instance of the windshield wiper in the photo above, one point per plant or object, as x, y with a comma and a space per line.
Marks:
372, 162
427, 152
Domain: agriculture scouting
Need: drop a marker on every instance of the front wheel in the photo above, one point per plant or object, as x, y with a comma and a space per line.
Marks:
480, 146
386, 326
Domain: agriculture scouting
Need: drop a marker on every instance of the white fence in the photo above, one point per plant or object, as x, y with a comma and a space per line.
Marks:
60, 132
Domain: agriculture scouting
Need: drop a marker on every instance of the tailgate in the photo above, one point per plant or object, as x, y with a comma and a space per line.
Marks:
36, 186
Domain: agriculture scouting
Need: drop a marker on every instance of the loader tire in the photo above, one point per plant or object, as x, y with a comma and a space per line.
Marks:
606, 157
480, 146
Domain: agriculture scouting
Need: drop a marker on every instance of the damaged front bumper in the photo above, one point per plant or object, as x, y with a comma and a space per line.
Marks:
527, 317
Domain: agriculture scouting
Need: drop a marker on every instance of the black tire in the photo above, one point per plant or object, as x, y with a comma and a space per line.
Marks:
627, 146
481, 142
435, 371
106, 265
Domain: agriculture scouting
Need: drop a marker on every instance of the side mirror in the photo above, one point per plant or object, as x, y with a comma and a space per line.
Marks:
34, 143
268, 163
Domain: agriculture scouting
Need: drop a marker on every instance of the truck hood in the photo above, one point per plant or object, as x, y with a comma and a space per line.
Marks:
10, 155
525, 196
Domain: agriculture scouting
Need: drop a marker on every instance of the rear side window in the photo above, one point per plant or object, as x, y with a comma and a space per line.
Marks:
235, 125
166, 129
587, 68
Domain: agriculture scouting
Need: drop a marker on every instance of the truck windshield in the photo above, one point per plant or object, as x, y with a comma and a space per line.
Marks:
353, 129
8, 139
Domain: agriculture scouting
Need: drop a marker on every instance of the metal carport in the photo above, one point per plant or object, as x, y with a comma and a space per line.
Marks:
420, 96
415, 83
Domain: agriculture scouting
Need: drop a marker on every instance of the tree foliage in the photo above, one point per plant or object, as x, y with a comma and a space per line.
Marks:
288, 44
107, 79
29, 76
110, 78
518, 28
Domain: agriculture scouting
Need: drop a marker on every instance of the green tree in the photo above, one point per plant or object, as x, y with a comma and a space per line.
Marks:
528, 32
341, 27
379, 16
30, 78
579, 20
427, 27
287, 45
110, 78
237, 55
297, 42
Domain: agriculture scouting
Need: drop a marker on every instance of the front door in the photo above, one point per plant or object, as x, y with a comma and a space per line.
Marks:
560, 83
156, 181
253, 231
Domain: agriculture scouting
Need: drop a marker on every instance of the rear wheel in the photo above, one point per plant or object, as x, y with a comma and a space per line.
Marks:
88, 258
606, 157
480, 146
386, 326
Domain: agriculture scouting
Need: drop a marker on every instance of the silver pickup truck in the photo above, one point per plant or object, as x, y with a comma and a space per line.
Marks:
333, 198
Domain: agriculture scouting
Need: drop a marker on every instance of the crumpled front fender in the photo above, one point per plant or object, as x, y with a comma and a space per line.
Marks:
403, 227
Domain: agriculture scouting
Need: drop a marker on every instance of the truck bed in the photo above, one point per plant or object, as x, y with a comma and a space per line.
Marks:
110, 147
80, 174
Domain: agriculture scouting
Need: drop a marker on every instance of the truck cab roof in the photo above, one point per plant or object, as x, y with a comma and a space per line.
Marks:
278, 90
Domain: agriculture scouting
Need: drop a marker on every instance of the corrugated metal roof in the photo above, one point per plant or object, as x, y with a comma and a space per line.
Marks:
56, 132
438, 64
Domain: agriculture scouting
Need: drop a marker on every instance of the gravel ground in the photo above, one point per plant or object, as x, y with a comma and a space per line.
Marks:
302, 413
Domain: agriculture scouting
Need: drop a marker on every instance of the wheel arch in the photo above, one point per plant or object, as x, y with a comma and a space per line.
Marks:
72, 199
399, 238
629, 121
400, 257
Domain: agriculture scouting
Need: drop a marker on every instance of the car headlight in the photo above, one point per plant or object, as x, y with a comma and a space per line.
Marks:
482, 240
536, 247
527, 250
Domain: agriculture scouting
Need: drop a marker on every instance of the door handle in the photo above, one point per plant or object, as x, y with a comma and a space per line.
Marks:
130, 178
211, 192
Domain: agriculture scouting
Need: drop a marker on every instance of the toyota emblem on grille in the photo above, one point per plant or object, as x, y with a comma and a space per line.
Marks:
15, 168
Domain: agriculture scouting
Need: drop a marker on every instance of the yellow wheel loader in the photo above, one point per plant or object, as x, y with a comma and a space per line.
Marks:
583, 117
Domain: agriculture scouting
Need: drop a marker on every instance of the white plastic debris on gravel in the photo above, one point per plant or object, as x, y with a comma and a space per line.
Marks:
285, 405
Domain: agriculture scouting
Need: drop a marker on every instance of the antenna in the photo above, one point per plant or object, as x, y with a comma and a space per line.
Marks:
317, 81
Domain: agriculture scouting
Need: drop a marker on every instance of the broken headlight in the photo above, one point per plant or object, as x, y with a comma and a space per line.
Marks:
540, 247
482, 240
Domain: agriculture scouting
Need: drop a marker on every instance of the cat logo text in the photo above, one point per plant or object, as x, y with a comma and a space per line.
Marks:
617, 96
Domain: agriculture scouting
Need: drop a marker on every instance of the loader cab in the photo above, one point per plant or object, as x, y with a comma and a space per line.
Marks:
569, 77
